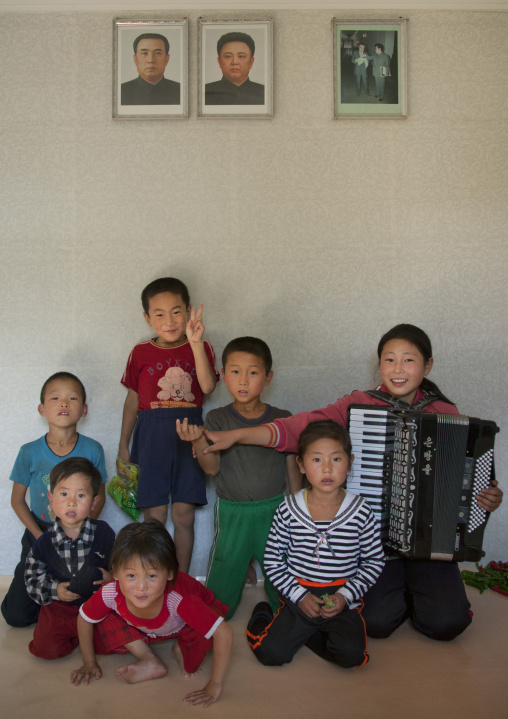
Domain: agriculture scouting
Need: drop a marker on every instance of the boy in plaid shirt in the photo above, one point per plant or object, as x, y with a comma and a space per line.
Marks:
69, 560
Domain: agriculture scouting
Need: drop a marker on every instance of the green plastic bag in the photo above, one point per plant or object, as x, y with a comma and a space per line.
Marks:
124, 490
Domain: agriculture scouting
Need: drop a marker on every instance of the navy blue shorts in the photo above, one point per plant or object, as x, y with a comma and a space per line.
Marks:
167, 464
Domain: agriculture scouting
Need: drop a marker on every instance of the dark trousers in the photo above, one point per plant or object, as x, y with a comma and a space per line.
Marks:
431, 593
340, 640
17, 608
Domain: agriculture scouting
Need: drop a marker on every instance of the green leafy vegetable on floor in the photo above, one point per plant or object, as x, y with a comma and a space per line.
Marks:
493, 576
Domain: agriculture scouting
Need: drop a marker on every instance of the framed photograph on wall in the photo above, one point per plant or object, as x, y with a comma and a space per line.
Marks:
235, 68
150, 69
370, 68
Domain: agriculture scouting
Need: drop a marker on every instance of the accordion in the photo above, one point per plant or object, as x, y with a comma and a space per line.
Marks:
420, 472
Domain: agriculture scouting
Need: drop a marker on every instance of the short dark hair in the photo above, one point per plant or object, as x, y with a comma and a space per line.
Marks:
324, 429
236, 37
63, 375
164, 284
381, 47
150, 542
75, 465
251, 345
151, 36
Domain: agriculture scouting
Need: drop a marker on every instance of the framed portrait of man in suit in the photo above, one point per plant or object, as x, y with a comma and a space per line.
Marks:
150, 69
370, 68
235, 68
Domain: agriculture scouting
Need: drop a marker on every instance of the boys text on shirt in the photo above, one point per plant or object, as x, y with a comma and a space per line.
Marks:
165, 377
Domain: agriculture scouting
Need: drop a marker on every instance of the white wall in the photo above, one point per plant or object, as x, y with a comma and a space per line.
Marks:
317, 235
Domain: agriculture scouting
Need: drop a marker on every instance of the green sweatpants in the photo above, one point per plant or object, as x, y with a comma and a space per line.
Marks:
241, 531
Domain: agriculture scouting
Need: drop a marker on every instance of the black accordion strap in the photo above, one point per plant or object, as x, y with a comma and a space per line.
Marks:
399, 403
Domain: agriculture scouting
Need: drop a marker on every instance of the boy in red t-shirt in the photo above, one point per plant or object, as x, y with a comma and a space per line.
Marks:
167, 378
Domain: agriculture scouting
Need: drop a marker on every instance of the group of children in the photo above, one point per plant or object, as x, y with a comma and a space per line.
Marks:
328, 579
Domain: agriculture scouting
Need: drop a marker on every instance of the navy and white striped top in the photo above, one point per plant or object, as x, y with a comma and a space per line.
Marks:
349, 547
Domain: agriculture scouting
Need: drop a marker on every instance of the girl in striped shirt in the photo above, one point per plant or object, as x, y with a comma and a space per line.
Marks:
323, 553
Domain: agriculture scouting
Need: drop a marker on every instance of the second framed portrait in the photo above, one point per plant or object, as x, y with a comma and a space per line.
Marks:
235, 68
150, 69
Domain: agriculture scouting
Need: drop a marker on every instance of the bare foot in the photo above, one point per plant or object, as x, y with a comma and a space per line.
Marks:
177, 653
151, 668
252, 577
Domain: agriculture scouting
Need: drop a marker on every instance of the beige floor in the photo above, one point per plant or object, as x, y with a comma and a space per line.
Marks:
408, 677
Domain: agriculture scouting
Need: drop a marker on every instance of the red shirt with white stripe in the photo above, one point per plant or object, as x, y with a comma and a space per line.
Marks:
186, 601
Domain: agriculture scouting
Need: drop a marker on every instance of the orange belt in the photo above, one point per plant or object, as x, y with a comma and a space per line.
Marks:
306, 583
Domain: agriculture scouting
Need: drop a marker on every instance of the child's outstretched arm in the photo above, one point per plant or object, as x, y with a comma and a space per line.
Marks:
259, 436
222, 644
90, 667
490, 498
194, 332
210, 464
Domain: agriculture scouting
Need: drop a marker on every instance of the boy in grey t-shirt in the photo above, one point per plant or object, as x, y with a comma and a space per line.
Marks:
250, 481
